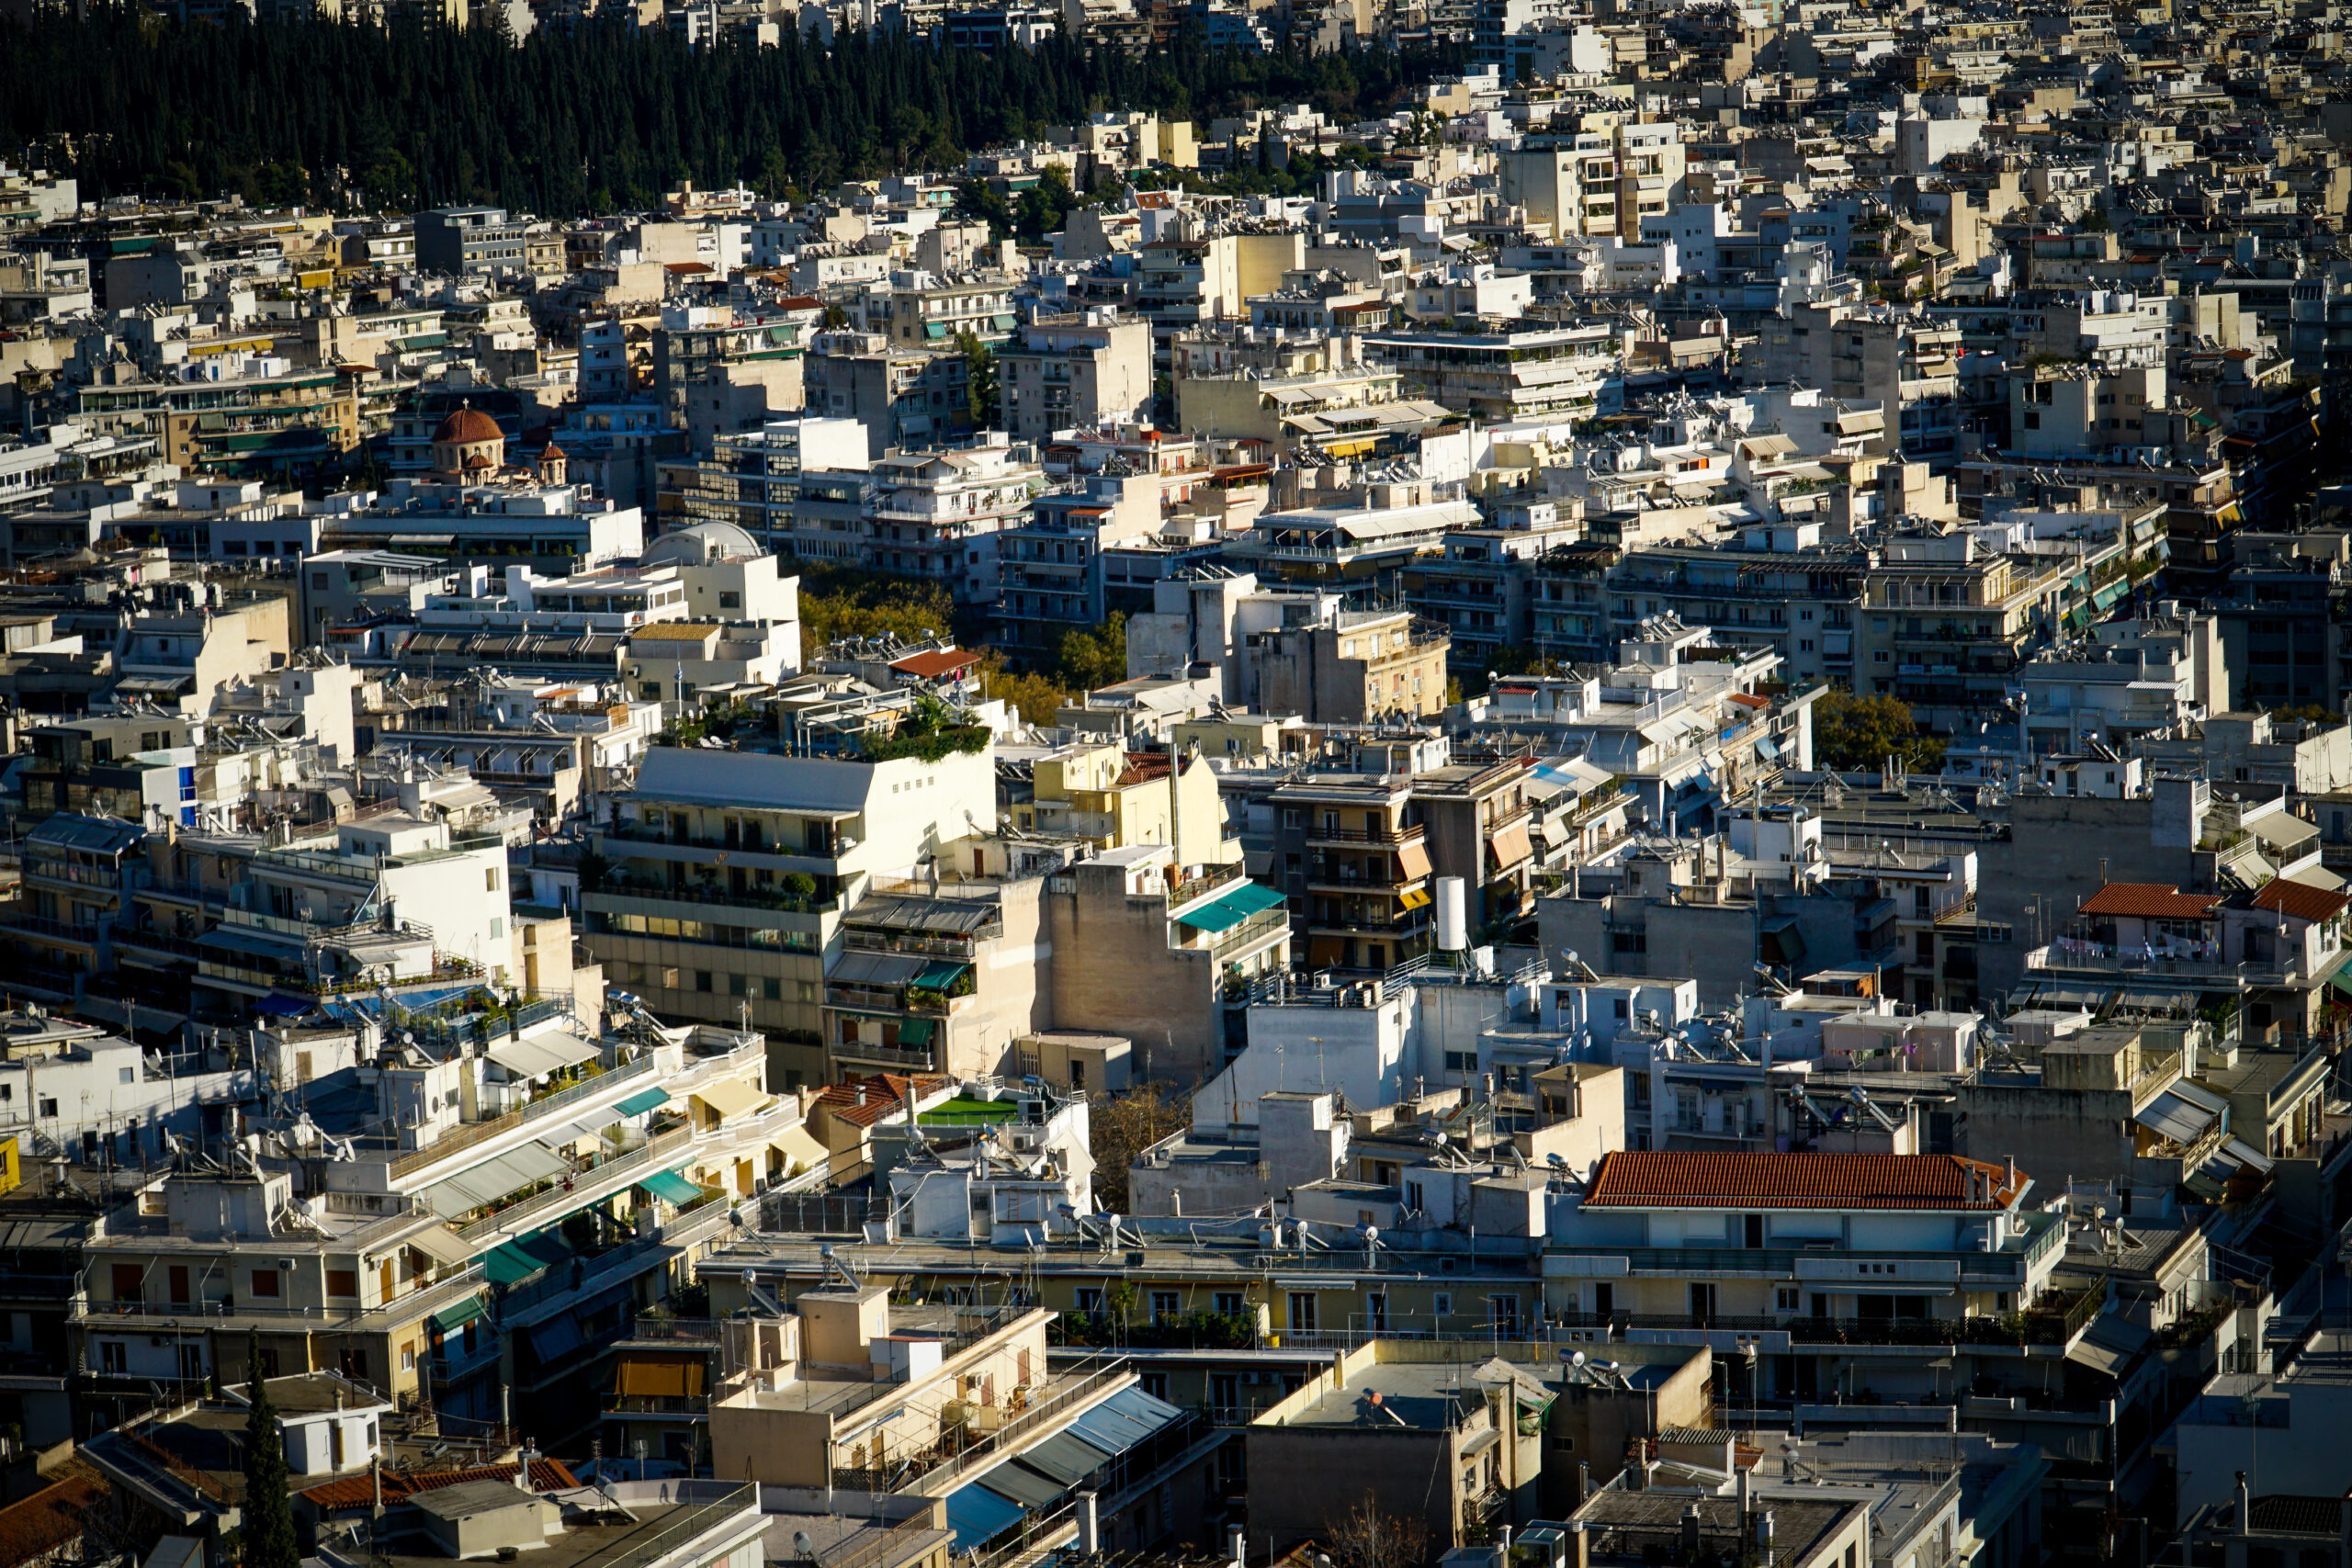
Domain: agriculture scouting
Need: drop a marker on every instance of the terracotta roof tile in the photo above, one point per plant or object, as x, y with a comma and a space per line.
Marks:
48, 1519
932, 665
2302, 900
358, 1491
885, 1095
1669, 1179
2151, 901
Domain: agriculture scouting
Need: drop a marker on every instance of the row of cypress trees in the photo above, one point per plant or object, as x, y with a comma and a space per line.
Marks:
598, 117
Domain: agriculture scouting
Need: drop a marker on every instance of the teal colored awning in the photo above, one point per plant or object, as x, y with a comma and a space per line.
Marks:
940, 976
1216, 915
1231, 907
1251, 899
916, 1030
451, 1319
521, 1259
934, 329
672, 1187
2109, 594
643, 1100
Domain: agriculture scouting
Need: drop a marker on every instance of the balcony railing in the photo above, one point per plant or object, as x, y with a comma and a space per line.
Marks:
567, 1194
473, 1132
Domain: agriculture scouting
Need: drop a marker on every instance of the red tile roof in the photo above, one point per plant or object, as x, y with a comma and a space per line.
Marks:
2151, 901
2302, 900
358, 1491
885, 1095
931, 666
50, 1518
1652, 1179
1750, 700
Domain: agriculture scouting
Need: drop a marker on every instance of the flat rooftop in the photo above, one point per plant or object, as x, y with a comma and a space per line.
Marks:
1426, 1397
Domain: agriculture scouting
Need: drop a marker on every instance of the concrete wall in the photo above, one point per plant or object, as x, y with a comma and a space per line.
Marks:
1113, 973
2053, 1133
2060, 850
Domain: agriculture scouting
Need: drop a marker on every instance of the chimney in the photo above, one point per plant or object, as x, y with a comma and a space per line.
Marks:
1690, 1531
1338, 1368
1502, 1546
2011, 1184
523, 1467
1090, 1524
1745, 1480
1236, 1546
1580, 1545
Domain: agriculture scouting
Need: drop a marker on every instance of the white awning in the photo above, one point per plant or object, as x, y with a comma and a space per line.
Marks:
536, 1056
441, 1245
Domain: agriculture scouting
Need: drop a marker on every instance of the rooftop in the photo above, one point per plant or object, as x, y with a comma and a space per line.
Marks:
1650, 1180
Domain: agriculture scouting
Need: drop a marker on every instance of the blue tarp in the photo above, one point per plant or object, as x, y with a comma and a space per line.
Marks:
977, 1515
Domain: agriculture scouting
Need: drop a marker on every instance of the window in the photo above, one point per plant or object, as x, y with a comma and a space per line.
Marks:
127, 1281
1227, 1303
266, 1282
1375, 1311
490, 879
1166, 1306
191, 1358
1442, 1303
111, 1356
1089, 1300
125, 1075
1784, 1298
408, 1357
1301, 1312
49, 1105
702, 980
343, 1282
1502, 1317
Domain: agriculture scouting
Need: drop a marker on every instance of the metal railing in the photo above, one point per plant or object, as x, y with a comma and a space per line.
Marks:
473, 1132
573, 1191
1084, 1391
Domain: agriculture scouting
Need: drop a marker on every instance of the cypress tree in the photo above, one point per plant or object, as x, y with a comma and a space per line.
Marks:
269, 1510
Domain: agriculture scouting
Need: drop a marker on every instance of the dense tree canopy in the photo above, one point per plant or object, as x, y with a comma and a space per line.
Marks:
599, 118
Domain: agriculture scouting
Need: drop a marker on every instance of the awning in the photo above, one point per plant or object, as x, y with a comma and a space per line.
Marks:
979, 1516
1216, 915
642, 1100
1125, 1419
730, 1097
521, 1259
451, 1319
572, 1132
1027, 1487
1414, 898
284, 1007
441, 1245
672, 1187
1413, 859
1065, 1457
556, 1339
495, 1178
1252, 900
539, 1054
660, 1377
2171, 1116
1510, 844
934, 329
917, 1031
941, 976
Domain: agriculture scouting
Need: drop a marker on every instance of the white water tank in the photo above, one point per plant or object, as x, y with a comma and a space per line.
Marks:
1453, 914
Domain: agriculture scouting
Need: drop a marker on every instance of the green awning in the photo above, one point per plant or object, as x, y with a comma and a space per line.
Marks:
934, 329
451, 1319
1004, 324
917, 1031
643, 1100
1231, 907
941, 976
672, 1187
1216, 915
2342, 979
521, 1259
2109, 594
1252, 900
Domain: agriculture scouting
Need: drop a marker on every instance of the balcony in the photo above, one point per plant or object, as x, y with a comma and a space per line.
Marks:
2201, 966
899, 1058
1335, 835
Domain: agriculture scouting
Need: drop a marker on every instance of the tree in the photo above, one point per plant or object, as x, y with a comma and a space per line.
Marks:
1120, 1129
979, 380
1038, 699
269, 1511
1089, 659
838, 603
1852, 731
1368, 1537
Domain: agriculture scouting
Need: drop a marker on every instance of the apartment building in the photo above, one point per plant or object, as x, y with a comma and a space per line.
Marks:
453, 240
1363, 666
1356, 868
1075, 370
1555, 373
936, 515
723, 883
